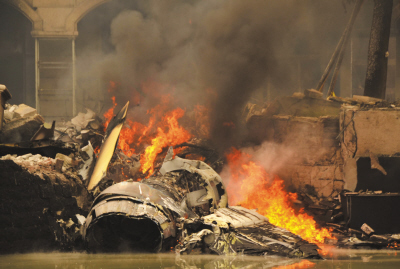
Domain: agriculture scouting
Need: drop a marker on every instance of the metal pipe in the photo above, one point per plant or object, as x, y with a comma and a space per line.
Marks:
37, 75
73, 79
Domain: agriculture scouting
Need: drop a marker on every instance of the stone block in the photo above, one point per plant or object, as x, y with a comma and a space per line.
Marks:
377, 131
22, 129
24, 111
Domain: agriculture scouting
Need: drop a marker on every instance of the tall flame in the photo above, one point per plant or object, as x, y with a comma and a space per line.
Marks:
171, 135
252, 187
109, 113
162, 130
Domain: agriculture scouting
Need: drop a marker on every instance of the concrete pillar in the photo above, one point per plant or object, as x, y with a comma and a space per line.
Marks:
55, 29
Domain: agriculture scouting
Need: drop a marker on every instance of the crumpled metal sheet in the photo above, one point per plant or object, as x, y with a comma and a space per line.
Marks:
211, 178
84, 172
132, 209
195, 241
234, 216
235, 230
145, 193
228, 231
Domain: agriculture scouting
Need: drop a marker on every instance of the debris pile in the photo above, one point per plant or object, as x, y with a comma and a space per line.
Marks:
43, 192
185, 202
51, 173
35, 200
84, 128
21, 123
332, 212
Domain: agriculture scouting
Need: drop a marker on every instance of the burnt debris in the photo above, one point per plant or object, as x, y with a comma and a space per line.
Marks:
183, 207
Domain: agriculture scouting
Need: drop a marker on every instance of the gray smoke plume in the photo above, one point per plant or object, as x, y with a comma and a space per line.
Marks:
216, 53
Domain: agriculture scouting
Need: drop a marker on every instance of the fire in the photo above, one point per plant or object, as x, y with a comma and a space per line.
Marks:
109, 113
172, 134
259, 190
162, 130
125, 138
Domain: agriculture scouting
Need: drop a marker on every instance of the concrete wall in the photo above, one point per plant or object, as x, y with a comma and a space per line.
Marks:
315, 154
365, 132
327, 148
317, 161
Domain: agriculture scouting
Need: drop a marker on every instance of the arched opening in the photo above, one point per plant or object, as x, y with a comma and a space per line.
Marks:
92, 43
17, 55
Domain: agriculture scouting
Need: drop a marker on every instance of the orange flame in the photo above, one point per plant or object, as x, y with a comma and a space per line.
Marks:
259, 190
172, 134
109, 113
162, 130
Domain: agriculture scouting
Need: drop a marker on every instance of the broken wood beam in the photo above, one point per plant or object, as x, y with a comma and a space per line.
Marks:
340, 46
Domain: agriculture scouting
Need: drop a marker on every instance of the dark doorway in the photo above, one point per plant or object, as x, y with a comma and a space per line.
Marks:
17, 55
374, 180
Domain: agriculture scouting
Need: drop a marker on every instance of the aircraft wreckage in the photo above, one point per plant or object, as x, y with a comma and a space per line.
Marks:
182, 208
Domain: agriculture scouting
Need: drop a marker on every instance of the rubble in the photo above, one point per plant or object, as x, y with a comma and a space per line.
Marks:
46, 197
46, 131
20, 129
24, 111
36, 200
82, 120
87, 154
332, 212
47, 148
366, 229
184, 205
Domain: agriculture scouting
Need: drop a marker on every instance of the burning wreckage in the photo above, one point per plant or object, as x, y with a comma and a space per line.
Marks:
51, 179
184, 206
185, 203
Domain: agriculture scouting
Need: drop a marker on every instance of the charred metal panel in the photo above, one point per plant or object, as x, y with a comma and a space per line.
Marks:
235, 216
131, 216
